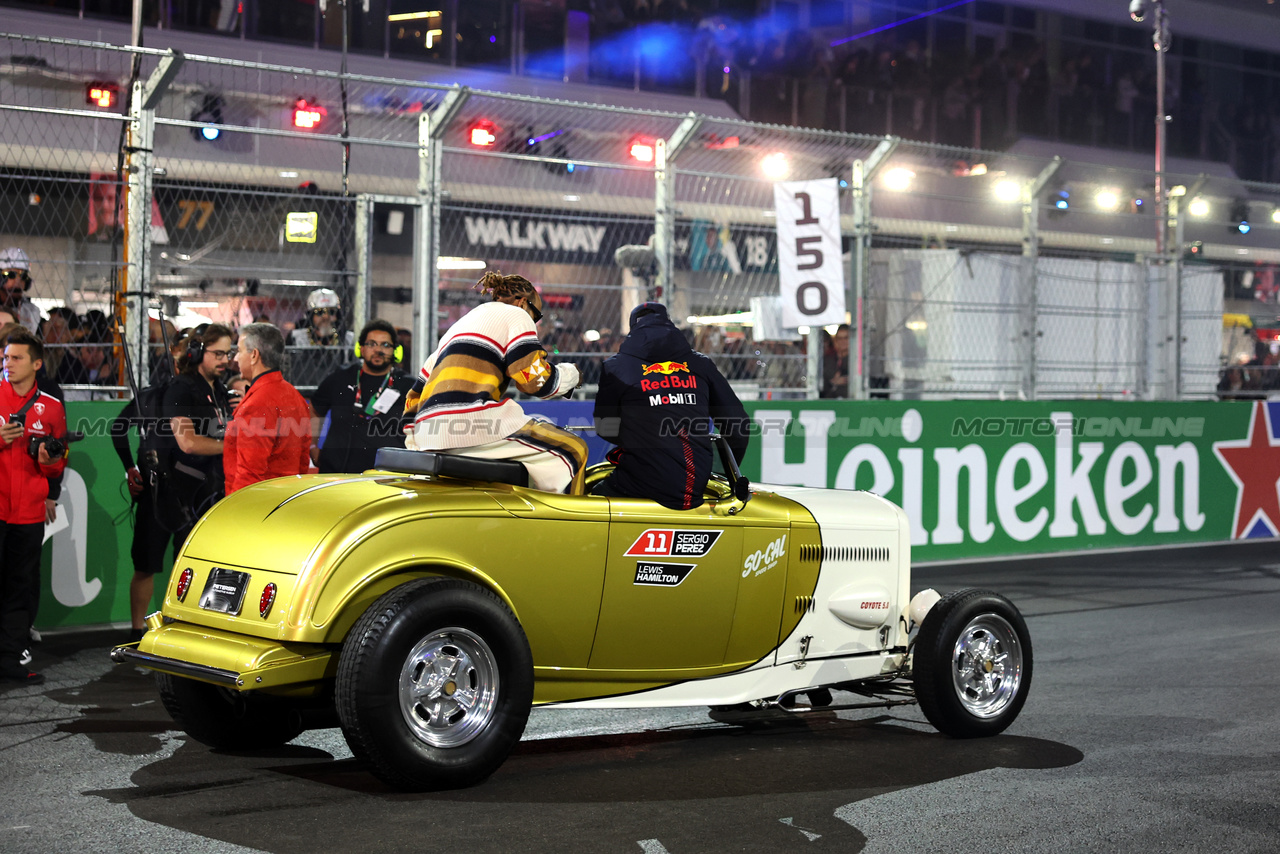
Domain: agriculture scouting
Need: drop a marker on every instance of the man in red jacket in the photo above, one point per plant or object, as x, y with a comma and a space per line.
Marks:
270, 434
26, 413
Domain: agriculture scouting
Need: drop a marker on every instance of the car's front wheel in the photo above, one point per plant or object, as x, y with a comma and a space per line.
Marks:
972, 664
435, 685
226, 719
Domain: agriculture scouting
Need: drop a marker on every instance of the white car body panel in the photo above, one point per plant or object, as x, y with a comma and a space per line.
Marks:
866, 561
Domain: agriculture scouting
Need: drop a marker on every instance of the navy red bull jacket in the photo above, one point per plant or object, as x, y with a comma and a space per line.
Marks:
657, 401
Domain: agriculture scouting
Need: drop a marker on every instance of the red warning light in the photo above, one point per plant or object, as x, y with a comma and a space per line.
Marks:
100, 94
307, 115
641, 148
482, 133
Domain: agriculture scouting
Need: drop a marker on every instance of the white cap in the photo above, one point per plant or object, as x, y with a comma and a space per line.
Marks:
322, 298
14, 258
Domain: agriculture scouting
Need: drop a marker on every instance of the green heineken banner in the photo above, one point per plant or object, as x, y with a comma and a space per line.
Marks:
86, 567
981, 479
977, 479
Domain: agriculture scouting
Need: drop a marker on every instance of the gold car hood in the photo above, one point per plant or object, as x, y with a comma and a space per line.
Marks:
278, 524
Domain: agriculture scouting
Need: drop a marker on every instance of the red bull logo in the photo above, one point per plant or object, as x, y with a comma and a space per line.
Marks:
665, 368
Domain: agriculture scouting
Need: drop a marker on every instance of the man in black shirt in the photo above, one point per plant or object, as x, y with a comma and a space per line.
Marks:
364, 402
196, 408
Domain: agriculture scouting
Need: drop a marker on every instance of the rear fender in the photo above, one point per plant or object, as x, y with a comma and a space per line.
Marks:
347, 604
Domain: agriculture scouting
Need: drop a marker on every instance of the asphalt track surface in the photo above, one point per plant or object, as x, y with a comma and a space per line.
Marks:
1152, 725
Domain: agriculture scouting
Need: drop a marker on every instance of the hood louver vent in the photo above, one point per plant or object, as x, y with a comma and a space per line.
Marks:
851, 553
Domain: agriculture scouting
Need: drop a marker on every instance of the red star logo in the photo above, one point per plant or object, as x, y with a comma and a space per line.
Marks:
1254, 465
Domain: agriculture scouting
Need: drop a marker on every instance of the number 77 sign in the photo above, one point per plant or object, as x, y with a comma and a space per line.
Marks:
810, 272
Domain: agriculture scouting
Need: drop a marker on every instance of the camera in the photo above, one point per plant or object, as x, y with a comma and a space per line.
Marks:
57, 446
1137, 10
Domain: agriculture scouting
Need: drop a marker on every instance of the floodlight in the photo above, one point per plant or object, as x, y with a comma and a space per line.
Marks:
899, 179
775, 166
1107, 200
1198, 207
1008, 190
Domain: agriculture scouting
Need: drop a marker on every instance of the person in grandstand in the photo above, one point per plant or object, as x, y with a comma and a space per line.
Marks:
658, 400
320, 347
15, 277
324, 311
457, 400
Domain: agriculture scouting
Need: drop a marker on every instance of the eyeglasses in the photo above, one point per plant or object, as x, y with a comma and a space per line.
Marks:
14, 274
318, 311
533, 309
219, 354
379, 345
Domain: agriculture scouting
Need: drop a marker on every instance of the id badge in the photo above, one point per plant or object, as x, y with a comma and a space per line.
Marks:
385, 401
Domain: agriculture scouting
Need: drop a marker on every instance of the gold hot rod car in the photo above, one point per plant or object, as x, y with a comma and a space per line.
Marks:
433, 601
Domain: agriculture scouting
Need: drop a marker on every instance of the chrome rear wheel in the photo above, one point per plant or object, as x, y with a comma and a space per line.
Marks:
449, 687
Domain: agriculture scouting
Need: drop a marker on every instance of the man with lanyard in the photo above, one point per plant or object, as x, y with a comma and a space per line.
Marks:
364, 403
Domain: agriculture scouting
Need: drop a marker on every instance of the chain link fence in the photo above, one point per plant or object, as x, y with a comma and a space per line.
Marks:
972, 273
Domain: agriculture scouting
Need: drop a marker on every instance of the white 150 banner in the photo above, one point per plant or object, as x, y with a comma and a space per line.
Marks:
810, 272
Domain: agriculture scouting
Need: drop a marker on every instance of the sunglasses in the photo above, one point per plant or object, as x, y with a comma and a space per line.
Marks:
318, 311
379, 345
537, 315
14, 274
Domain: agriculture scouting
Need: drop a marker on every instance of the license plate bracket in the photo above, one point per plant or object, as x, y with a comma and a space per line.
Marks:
224, 591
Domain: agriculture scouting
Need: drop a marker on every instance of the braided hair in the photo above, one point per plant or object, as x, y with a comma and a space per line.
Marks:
508, 289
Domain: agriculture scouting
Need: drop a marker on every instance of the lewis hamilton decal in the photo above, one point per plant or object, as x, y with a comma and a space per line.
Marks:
662, 574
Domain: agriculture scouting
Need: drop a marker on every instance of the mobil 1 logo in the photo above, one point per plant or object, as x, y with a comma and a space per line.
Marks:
653, 574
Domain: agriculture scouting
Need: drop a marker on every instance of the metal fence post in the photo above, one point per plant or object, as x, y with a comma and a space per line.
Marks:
424, 274
426, 223
1175, 268
864, 172
1030, 275
136, 283
664, 227
362, 305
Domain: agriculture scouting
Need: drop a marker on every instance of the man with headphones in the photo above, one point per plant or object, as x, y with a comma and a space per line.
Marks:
15, 276
364, 403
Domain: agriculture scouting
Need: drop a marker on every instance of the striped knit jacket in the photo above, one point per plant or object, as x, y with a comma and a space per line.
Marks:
457, 398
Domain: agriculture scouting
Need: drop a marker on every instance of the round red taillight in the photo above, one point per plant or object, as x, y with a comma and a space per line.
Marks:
267, 599
184, 583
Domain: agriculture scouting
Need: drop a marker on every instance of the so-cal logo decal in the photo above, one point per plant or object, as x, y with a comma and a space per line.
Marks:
662, 574
765, 559
660, 542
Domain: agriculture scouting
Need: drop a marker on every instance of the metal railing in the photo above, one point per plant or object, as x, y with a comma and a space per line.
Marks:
966, 275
